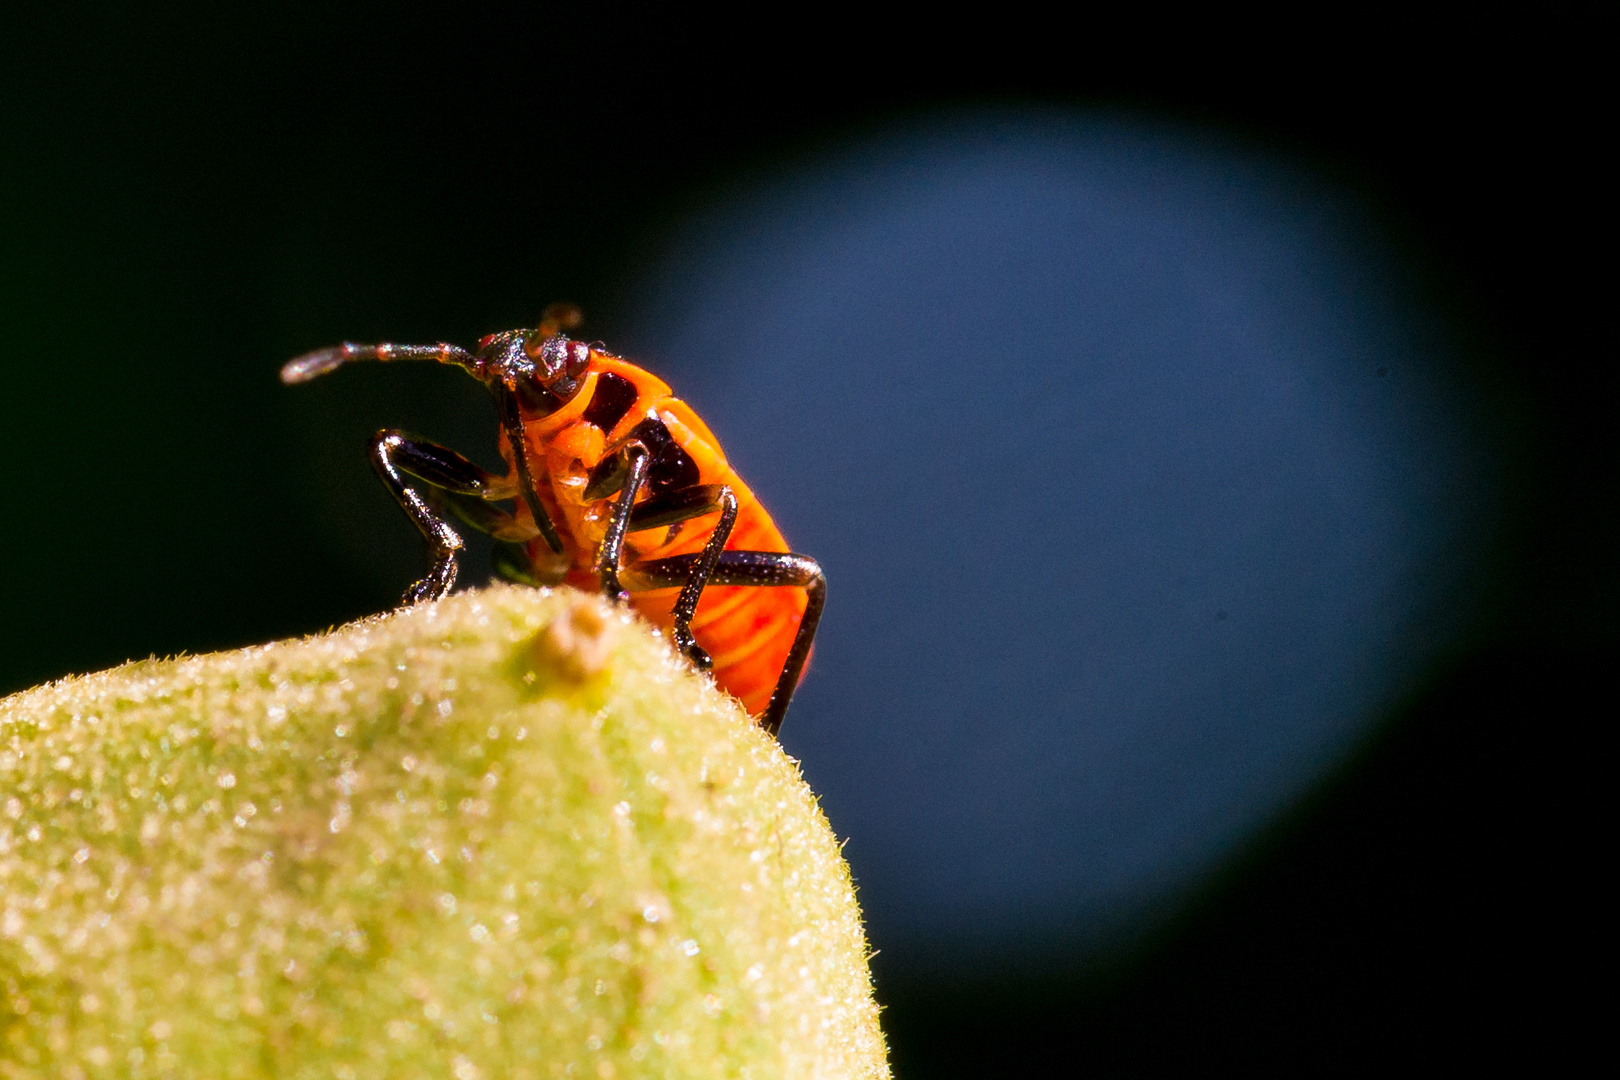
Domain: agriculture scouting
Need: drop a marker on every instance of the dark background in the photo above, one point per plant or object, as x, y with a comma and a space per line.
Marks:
187, 202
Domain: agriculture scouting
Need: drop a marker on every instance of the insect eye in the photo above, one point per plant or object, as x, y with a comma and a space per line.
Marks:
579, 358
550, 357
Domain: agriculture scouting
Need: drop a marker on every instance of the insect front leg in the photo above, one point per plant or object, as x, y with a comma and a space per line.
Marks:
765, 569
448, 477
506, 405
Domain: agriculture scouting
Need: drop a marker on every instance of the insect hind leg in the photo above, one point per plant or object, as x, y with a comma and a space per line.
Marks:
763, 569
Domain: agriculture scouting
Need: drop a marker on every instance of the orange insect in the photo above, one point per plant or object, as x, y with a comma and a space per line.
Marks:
617, 485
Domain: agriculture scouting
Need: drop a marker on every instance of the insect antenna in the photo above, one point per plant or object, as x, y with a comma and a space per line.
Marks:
315, 364
560, 317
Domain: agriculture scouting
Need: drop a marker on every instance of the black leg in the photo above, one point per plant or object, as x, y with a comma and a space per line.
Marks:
512, 424
766, 569
612, 549
670, 509
444, 468
457, 485
449, 482
674, 507
386, 448
686, 604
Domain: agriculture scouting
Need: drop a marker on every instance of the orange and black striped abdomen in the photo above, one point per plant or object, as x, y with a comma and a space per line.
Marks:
747, 630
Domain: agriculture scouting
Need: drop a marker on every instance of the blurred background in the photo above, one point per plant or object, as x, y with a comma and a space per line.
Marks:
1208, 469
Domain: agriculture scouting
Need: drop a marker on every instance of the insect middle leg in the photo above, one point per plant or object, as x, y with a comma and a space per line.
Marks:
396, 455
765, 569
659, 512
